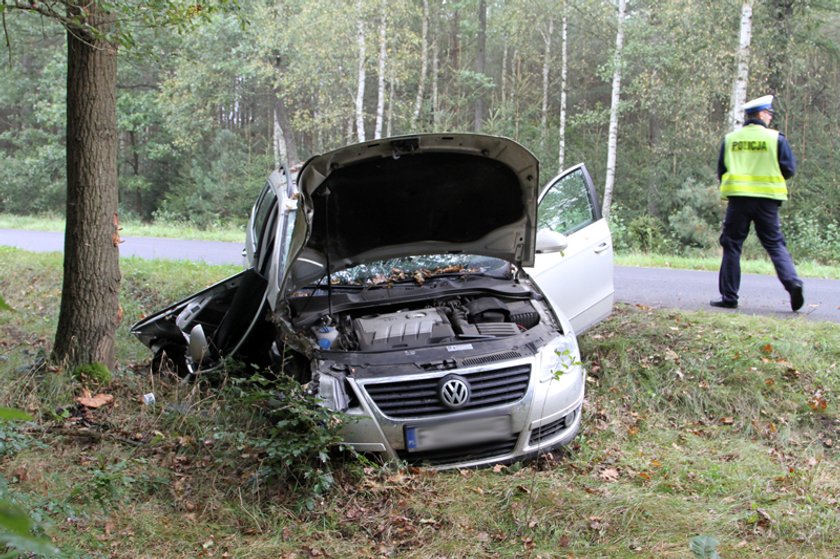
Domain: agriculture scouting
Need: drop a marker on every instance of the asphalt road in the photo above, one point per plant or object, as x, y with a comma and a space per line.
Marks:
150, 248
651, 287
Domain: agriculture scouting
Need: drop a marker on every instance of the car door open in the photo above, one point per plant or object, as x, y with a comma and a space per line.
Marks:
577, 277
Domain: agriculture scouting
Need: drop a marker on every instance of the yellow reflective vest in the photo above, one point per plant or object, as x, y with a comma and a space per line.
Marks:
751, 156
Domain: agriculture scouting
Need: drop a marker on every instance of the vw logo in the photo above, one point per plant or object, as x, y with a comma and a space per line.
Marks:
454, 392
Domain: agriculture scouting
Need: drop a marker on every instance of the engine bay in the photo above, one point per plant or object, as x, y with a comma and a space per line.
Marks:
450, 320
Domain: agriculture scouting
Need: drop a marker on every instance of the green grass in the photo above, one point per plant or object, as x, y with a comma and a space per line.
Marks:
757, 265
132, 228
695, 424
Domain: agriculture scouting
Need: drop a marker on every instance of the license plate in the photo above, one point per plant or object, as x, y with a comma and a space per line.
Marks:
457, 433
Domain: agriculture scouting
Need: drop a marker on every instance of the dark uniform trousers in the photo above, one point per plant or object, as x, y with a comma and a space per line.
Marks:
764, 212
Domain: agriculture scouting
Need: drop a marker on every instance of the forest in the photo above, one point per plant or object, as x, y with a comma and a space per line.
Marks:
206, 111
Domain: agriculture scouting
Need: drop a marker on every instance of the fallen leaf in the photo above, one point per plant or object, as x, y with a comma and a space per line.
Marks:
609, 474
94, 402
767, 348
21, 473
817, 402
727, 420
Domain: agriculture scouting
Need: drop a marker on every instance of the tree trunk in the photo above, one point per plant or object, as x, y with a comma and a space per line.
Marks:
480, 63
90, 310
545, 79
742, 71
516, 75
285, 146
503, 80
360, 86
281, 150
455, 40
424, 65
777, 57
389, 123
612, 142
435, 82
380, 90
564, 66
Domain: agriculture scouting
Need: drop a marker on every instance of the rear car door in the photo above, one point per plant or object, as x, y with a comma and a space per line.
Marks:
578, 279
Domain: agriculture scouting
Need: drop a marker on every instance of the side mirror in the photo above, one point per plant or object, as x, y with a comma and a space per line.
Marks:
309, 265
551, 241
198, 344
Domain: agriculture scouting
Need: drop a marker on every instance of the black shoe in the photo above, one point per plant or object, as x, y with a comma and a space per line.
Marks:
796, 297
724, 304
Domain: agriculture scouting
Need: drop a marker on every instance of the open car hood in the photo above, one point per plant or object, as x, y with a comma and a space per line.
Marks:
412, 195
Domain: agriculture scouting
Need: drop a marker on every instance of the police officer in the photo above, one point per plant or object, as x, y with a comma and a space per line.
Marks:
753, 164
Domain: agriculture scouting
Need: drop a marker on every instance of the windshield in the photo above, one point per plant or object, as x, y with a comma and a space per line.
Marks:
419, 269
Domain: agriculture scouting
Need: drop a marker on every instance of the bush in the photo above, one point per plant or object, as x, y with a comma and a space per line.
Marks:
695, 220
296, 440
645, 234
812, 239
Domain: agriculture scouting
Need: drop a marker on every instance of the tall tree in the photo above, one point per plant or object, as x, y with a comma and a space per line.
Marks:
742, 69
564, 68
547, 35
380, 78
480, 63
90, 310
360, 72
612, 142
424, 64
777, 57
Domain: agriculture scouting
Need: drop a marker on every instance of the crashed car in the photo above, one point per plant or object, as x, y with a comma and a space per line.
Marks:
425, 286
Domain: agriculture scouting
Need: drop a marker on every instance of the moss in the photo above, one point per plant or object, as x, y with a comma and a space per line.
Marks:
92, 375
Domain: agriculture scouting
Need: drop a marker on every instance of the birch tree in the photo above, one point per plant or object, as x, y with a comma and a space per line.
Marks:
742, 70
612, 142
547, 35
564, 67
383, 55
424, 64
360, 73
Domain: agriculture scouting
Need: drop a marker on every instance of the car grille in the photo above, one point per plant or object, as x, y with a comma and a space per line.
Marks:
546, 432
492, 358
419, 397
455, 455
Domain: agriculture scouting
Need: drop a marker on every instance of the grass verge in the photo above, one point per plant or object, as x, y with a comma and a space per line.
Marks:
756, 265
695, 424
132, 228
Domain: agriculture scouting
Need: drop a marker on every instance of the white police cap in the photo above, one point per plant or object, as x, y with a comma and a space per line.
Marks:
761, 104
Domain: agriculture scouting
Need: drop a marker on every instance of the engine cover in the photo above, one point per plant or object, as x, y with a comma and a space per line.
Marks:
407, 329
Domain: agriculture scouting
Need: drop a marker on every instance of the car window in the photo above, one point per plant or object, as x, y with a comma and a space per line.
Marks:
262, 211
567, 206
287, 227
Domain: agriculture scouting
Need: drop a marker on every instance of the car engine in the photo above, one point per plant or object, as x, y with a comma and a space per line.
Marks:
452, 320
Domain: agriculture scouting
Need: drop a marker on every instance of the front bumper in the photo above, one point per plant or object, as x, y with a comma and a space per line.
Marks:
544, 415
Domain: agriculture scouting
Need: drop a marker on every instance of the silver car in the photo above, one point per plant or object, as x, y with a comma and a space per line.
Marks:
425, 286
